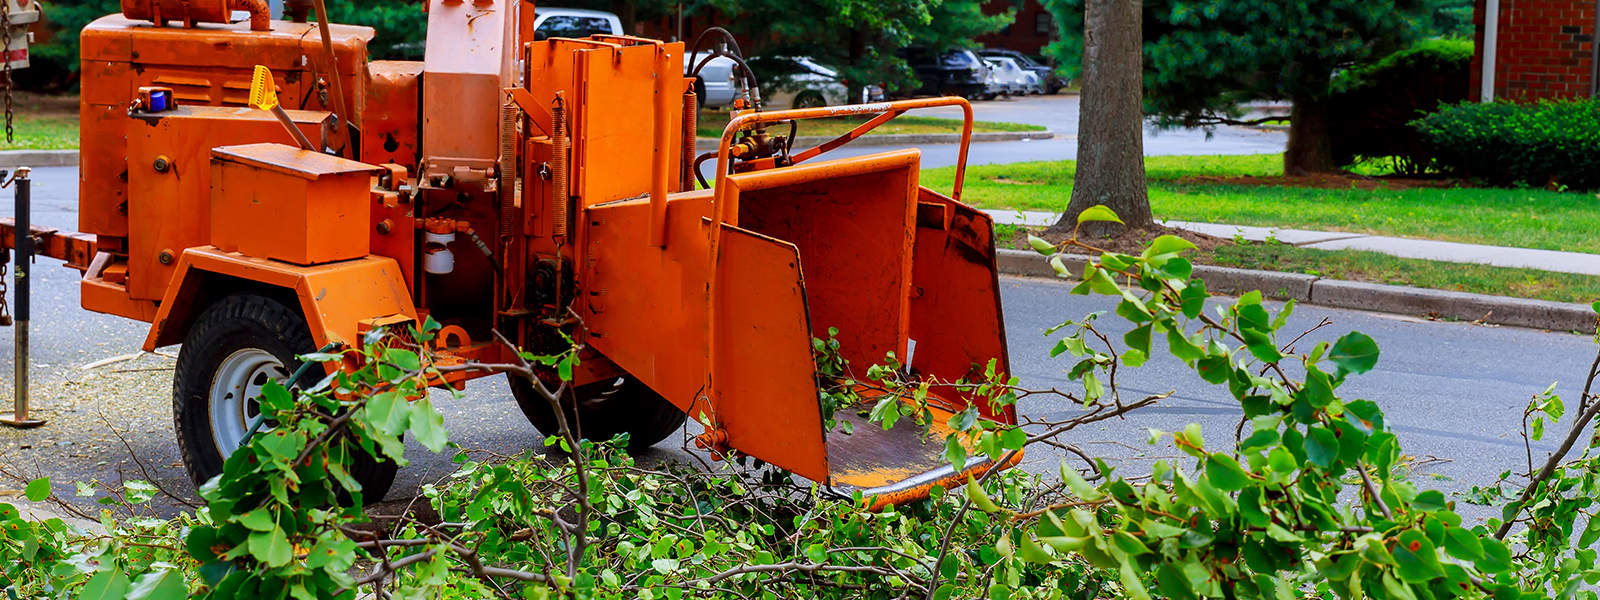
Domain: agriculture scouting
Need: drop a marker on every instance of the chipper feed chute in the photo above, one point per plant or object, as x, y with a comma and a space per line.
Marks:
721, 317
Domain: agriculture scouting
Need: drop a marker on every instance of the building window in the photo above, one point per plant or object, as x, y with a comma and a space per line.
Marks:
1041, 23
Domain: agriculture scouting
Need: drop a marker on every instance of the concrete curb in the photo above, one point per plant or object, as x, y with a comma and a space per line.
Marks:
1500, 310
902, 139
38, 158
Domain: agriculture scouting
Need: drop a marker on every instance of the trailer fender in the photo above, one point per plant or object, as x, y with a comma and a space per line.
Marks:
334, 297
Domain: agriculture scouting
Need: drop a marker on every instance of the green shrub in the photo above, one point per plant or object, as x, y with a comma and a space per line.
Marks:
1371, 105
1548, 143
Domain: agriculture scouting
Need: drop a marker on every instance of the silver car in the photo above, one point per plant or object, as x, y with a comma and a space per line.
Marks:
800, 82
717, 84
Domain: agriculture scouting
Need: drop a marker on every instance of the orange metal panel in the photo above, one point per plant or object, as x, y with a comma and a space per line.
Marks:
764, 387
171, 210
317, 205
853, 222
463, 83
100, 296
389, 124
615, 139
645, 306
955, 312
335, 297
209, 65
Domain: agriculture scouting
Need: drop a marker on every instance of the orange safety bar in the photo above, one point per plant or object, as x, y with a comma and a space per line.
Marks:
889, 111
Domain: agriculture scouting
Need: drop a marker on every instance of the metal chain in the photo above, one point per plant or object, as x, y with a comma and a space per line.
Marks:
5, 260
5, 63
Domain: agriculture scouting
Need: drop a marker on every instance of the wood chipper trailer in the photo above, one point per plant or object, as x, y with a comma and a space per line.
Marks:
523, 186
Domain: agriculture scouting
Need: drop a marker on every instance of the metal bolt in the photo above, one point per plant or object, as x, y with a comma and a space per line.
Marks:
384, 226
165, 257
162, 164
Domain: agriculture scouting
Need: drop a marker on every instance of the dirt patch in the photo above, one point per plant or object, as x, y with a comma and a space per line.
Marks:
1327, 181
1130, 241
47, 104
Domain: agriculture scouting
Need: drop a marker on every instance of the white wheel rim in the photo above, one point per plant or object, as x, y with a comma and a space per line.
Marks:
234, 392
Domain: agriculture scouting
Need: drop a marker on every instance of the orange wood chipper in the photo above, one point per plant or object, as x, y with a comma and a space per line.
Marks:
516, 185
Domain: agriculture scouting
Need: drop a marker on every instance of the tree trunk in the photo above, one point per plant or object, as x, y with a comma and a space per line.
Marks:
1310, 144
1110, 120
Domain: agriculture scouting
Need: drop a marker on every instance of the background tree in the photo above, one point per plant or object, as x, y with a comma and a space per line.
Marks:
1205, 59
859, 37
1110, 117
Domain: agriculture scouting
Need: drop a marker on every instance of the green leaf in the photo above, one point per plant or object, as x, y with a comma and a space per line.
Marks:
1172, 583
108, 585
428, 425
258, 520
37, 490
1416, 559
980, 500
1013, 439
1098, 212
1466, 545
1139, 338
406, 360
389, 412
1430, 501
166, 584
271, 547
664, 565
1041, 245
955, 453
1322, 447
1059, 265
1225, 473
1033, 552
1167, 244
1354, 353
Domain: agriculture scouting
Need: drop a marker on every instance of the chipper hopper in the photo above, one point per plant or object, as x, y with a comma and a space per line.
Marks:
517, 188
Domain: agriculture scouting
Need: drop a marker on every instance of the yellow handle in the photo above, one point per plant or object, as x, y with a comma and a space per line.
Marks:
263, 91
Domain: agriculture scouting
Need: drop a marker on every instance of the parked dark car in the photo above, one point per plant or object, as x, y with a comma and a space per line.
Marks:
950, 73
1052, 82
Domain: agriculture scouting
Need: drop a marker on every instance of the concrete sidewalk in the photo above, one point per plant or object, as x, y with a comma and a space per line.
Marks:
1498, 256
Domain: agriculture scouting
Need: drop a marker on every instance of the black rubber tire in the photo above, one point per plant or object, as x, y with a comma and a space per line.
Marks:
810, 99
228, 325
608, 408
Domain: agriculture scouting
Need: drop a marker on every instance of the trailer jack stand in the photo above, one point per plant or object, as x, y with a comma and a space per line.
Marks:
19, 417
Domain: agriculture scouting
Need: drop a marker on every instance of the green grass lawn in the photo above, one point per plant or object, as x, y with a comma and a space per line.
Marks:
44, 132
1526, 218
712, 123
1361, 265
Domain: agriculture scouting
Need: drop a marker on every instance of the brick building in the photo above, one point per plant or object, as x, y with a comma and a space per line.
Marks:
1543, 49
1033, 28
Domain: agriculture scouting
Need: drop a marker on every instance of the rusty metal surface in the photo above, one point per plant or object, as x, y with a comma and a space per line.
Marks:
898, 465
75, 249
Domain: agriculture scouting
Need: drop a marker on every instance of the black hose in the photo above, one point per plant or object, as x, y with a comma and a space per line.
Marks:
697, 161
